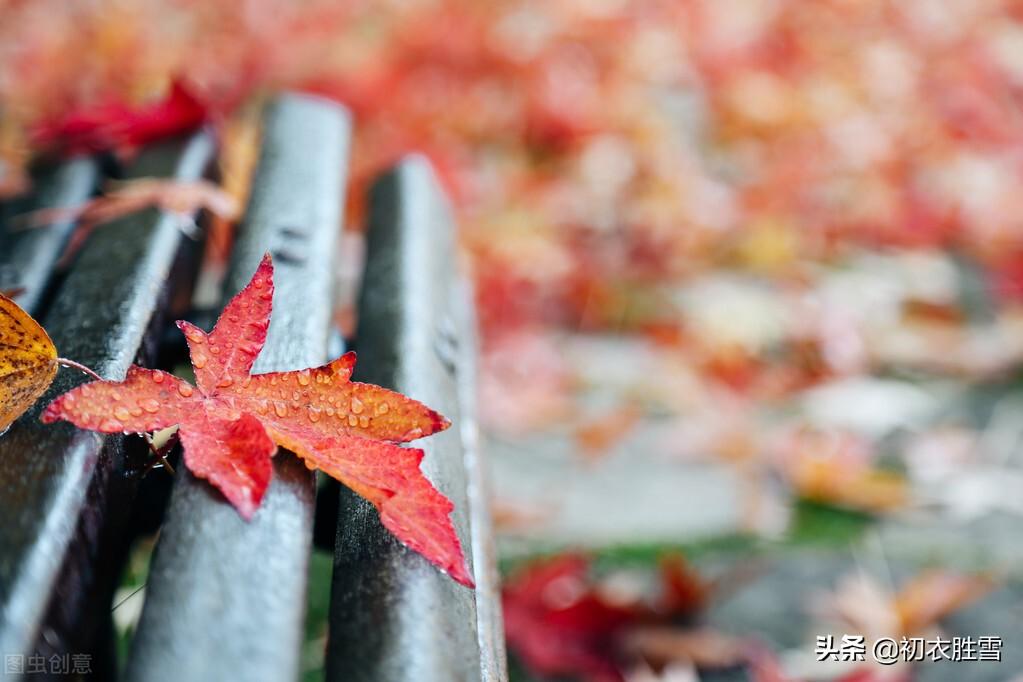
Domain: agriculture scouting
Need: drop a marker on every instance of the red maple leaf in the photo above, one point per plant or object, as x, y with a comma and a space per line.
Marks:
116, 125
562, 622
231, 422
559, 624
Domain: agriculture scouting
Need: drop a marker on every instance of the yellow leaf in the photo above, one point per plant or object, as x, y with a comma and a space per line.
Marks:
28, 361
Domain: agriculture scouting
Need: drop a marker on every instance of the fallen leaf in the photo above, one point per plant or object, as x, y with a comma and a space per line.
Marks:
28, 361
676, 672
837, 468
509, 517
116, 125
686, 592
874, 674
703, 647
763, 666
935, 594
14, 179
179, 197
561, 621
231, 422
598, 435
867, 607
559, 624
236, 161
174, 196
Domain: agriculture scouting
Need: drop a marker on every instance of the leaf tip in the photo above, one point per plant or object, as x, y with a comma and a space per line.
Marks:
343, 366
461, 575
439, 422
263, 279
266, 264
51, 413
246, 507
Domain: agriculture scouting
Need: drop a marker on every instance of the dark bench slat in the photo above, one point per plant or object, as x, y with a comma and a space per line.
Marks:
27, 257
225, 597
394, 616
100, 316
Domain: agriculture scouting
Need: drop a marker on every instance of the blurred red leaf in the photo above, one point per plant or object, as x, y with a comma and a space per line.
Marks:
560, 621
116, 125
560, 625
686, 592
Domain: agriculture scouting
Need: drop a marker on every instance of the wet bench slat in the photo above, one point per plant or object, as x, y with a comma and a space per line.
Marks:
225, 597
100, 316
27, 257
489, 617
393, 616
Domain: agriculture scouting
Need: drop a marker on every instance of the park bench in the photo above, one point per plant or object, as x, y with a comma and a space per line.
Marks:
226, 598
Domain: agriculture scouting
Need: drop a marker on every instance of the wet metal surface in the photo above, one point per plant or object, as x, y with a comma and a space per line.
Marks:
393, 615
489, 618
99, 316
27, 256
226, 597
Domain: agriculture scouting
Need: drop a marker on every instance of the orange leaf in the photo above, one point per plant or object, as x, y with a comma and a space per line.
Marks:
28, 361
703, 647
932, 595
231, 422
597, 436
867, 607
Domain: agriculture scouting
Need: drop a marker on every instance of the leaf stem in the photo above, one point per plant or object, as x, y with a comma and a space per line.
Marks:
160, 453
136, 591
79, 366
